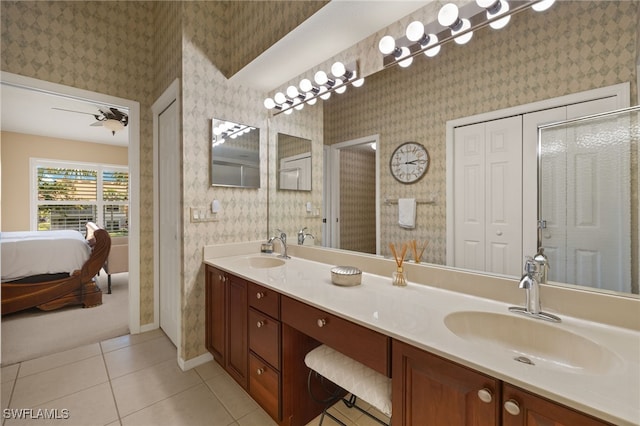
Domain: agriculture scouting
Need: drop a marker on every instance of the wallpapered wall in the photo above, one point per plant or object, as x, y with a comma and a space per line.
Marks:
575, 46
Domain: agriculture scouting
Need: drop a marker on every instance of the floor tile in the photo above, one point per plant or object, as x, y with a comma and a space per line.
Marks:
209, 370
193, 407
58, 359
129, 340
5, 395
9, 373
89, 407
233, 397
144, 387
256, 418
58, 382
142, 355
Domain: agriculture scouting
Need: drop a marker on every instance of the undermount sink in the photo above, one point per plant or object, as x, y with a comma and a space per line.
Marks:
533, 341
262, 262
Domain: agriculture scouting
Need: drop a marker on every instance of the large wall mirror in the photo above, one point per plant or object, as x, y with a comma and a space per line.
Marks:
293, 163
235, 154
518, 65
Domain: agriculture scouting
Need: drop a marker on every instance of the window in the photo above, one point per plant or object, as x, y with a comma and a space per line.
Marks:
67, 195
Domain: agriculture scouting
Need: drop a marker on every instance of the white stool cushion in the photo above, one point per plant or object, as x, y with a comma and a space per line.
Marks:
354, 377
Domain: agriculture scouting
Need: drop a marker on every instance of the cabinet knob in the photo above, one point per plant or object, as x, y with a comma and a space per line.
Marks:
260, 371
485, 395
260, 323
322, 322
260, 295
512, 407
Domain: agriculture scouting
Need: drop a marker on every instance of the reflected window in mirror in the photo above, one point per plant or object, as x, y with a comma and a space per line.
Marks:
235, 154
294, 163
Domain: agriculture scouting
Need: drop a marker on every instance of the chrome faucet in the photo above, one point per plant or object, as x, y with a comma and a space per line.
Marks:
530, 282
303, 236
283, 239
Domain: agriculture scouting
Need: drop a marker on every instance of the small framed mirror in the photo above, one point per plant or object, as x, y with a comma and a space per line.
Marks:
235, 154
294, 163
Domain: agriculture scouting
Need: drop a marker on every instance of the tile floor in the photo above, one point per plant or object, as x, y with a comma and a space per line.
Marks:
134, 380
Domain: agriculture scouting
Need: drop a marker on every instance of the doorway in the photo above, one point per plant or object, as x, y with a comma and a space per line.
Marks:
352, 216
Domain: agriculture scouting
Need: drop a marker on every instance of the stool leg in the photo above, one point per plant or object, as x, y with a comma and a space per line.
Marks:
108, 283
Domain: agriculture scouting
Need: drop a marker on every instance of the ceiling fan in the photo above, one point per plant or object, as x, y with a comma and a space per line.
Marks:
111, 118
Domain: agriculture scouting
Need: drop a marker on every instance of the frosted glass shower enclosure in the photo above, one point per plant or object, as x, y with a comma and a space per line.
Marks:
588, 168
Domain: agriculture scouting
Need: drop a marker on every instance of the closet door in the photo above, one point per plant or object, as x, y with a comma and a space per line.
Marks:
487, 196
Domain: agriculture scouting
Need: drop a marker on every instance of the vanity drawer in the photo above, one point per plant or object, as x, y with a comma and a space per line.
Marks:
264, 337
355, 341
264, 385
265, 300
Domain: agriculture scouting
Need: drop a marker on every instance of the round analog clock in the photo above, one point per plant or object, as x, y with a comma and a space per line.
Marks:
409, 162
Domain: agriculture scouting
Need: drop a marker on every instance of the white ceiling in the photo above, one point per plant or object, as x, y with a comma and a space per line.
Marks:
335, 27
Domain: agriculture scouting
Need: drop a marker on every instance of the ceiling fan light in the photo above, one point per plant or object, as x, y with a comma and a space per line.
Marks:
113, 125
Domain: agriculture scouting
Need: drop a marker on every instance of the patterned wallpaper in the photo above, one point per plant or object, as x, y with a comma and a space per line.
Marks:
575, 46
357, 205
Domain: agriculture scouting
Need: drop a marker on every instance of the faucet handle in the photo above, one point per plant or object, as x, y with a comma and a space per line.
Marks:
530, 265
302, 230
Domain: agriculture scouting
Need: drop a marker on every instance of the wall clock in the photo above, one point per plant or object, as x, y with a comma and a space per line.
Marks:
409, 162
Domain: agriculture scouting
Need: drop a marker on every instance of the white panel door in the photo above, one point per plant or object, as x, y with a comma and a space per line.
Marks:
598, 201
169, 219
503, 196
469, 196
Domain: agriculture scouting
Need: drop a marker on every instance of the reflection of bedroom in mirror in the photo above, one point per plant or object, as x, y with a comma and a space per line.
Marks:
235, 154
294, 163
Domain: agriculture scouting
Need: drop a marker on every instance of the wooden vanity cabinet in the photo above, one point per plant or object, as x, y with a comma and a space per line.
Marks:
226, 322
429, 390
521, 408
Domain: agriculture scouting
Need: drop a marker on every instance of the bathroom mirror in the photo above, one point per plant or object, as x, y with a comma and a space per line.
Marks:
235, 154
293, 163
403, 104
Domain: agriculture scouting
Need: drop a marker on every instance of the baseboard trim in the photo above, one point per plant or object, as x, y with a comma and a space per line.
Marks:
194, 362
148, 327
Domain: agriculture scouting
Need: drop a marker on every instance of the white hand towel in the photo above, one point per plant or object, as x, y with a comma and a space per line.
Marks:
407, 212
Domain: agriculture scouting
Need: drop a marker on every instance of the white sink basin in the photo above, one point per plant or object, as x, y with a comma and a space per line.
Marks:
533, 341
261, 262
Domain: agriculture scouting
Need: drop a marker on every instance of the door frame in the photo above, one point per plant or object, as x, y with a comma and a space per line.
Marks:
134, 171
331, 204
621, 91
170, 95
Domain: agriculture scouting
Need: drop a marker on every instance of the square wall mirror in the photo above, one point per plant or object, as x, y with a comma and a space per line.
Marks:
235, 154
294, 163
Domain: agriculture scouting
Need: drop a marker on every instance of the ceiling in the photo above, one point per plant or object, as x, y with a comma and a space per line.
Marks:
325, 34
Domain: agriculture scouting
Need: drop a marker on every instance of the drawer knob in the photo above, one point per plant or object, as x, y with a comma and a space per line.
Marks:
260, 371
260, 295
485, 395
512, 407
260, 324
322, 322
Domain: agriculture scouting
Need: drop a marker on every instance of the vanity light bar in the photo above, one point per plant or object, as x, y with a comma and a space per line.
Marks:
322, 86
493, 13
229, 130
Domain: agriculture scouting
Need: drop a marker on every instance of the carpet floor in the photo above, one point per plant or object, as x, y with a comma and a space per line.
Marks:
33, 333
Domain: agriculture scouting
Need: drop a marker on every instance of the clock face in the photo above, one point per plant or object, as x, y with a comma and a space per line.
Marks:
409, 162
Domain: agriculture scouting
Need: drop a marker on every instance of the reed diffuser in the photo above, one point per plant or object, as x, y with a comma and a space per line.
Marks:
399, 276
417, 251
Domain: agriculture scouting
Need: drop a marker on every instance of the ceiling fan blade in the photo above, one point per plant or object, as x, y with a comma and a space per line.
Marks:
70, 110
96, 124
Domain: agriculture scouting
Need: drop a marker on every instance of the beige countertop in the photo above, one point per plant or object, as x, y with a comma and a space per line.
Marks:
602, 378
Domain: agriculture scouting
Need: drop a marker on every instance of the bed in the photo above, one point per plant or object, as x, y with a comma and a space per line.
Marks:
52, 269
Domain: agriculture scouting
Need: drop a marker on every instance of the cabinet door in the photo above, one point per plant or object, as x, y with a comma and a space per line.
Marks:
237, 346
521, 408
429, 390
215, 314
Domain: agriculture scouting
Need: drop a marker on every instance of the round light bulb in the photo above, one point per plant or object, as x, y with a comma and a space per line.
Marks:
405, 53
486, 4
338, 69
280, 98
321, 77
543, 5
269, 103
463, 39
324, 93
433, 39
448, 15
288, 111
340, 87
387, 45
292, 92
500, 23
306, 85
415, 31
310, 99
297, 104
217, 131
359, 82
